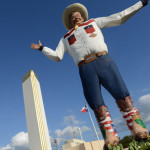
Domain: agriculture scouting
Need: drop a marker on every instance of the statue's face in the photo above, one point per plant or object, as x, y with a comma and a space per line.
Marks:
76, 19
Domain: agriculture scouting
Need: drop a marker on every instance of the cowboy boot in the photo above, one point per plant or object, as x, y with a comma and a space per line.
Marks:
133, 119
106, 126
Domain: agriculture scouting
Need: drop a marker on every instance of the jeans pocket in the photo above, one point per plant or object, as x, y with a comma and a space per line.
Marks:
104, 58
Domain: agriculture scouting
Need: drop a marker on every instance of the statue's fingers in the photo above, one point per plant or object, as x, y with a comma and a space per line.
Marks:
33, 46
40, 42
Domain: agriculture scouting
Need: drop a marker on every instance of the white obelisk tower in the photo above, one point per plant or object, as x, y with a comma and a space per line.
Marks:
35, 114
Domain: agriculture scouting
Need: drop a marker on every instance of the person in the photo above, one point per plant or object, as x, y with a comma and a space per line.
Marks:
85, 43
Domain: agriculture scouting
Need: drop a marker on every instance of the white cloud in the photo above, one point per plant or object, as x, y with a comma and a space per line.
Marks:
65, 132
71, 118
120, 125
143, 105
7, 147
85, 128
21, 139
68, 131
18, 142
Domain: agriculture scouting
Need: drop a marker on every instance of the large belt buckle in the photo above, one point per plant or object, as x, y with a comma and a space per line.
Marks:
90, 57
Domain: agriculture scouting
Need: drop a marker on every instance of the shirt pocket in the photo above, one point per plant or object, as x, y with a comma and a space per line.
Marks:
89, 29
72, 39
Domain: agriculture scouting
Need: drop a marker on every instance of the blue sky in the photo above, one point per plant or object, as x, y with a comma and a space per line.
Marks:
25, 22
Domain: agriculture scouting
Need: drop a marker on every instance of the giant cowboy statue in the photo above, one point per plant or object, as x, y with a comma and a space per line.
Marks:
85, 43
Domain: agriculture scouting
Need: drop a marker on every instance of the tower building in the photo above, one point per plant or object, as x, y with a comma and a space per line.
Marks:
35, 114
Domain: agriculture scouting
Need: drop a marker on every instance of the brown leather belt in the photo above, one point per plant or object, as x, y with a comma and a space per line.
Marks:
91, 57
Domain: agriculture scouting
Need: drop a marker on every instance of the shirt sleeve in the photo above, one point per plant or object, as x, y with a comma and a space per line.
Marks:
58, 54
118, 18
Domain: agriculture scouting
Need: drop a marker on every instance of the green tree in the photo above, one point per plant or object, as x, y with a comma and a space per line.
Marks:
126, 140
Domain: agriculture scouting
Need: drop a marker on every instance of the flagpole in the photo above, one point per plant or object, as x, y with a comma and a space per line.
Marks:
94, 128
80, 133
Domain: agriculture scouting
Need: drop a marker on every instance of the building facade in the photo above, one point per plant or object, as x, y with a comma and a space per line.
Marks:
75, 144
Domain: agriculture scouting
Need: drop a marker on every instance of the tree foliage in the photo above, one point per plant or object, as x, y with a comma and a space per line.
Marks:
126, 140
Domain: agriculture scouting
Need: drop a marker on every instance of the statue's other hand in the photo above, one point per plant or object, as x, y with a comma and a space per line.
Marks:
36, 46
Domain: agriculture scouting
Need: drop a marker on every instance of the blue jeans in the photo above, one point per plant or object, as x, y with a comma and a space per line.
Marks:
102, 71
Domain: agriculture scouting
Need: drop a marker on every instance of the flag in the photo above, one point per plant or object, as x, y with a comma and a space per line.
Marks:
84, 109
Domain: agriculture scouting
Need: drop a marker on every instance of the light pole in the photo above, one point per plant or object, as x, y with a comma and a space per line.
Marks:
80, 134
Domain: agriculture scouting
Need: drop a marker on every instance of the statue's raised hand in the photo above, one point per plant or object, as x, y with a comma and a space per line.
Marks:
36, 46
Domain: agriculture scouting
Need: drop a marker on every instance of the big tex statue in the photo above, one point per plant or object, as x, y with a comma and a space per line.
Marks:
85, 43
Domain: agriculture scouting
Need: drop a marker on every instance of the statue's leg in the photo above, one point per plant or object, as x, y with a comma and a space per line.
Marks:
92, 91
116, 86
106, 126
133, 119
91, 86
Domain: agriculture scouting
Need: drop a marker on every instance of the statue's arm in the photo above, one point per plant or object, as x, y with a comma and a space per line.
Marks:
56, 55
121, 17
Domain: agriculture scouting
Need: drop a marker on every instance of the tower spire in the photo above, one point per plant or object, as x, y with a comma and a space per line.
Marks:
35, 114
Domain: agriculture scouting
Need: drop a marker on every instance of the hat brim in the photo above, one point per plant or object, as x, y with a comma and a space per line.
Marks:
76, 7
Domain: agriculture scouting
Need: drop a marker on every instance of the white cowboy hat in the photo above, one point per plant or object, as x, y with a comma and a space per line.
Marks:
72, 8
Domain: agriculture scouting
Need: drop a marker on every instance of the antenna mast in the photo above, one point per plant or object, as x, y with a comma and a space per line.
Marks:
72, 127
55, 141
